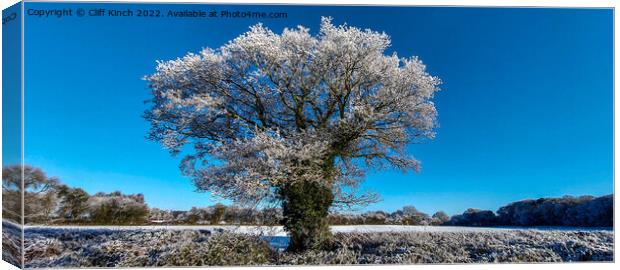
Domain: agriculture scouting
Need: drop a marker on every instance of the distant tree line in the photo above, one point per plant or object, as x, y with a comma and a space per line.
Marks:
48, 201
220, 214
408, 215
583, 211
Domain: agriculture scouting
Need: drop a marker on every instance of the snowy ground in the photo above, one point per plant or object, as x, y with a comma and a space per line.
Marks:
128, 246
279, 231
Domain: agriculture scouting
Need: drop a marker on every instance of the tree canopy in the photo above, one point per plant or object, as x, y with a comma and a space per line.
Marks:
267, 109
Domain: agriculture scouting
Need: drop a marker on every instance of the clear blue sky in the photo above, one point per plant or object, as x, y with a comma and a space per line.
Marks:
525, 110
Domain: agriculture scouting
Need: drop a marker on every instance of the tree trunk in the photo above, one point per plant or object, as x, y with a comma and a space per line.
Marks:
305, 206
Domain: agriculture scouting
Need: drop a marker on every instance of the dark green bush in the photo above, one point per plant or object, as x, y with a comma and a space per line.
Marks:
305, 206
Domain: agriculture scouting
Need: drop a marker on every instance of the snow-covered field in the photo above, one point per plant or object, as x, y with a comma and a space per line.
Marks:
129, 246
279, 231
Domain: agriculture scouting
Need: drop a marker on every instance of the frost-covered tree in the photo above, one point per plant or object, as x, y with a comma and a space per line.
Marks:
39, 193
73, 203
218, 213
157, 215
439, 218
294, 118
117, 208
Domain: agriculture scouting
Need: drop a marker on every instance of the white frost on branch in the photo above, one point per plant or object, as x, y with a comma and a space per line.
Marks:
266, 109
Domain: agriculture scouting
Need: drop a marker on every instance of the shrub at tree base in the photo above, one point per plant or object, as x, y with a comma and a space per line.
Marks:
305, 208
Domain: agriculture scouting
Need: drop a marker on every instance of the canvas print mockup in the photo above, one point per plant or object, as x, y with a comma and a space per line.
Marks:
152, 135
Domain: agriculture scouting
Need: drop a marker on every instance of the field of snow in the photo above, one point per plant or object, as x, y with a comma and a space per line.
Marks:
279, 231
131, 246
